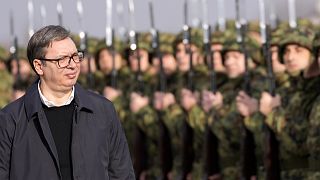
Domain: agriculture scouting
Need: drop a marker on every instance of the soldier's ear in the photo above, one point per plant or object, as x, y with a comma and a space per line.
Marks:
37, 64
313, 70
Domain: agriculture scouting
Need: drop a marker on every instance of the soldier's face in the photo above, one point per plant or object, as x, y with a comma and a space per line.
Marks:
169, 63
296, 58
25, 69
183, 57
105, 61
276, 65
55, 78
218, 65
2, 66
84, 65
144, 60
234, 63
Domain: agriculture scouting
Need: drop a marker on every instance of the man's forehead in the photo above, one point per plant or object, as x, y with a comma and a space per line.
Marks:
61, 44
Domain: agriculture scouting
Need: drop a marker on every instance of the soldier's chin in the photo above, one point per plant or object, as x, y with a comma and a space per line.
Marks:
232, 75
293, 72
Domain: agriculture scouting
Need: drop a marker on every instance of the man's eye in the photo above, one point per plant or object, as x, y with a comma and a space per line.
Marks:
65, 58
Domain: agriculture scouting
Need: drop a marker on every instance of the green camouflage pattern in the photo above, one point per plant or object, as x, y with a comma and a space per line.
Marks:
313, 140
252, 47
196, 37
118, 45
5, 88
291, 124
302, 36
4, 54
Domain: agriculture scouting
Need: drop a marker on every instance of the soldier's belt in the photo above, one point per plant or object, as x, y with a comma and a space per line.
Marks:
295, 163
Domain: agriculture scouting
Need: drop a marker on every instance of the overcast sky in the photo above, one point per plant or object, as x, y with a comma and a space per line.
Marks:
168, 14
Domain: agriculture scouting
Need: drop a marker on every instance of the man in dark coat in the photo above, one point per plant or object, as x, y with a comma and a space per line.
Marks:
58, 130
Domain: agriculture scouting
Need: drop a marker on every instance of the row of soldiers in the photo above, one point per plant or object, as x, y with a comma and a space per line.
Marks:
187, 116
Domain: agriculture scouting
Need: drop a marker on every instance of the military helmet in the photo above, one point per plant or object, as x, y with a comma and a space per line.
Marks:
91, 43
144, 41
252, 47
218, 37
166, 40
3, 54
118, 45
302, 36
276, 36
254, 26
196, 38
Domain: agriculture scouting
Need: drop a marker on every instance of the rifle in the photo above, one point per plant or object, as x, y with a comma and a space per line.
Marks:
271, 153
59, 11
14, 47
292, 14
30, 17
140, 153
165, 147
84, 43
43, 14
110, 43
247, 145
188, 154
221, 16
274, 20
211, 155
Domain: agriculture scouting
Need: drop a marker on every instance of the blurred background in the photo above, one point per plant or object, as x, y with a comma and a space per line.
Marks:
168, 15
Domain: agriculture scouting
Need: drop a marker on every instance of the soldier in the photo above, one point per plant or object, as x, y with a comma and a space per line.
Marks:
230, 105
26, 73
291, 122
314, 127
169, 111
6, 80
107, 73
188, 95
87, 71
141, 120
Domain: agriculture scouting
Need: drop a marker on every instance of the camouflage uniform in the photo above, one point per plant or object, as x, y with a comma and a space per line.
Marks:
145, 120
291, 122
255, 122
313, 139
227, 120
6, 81
195, 117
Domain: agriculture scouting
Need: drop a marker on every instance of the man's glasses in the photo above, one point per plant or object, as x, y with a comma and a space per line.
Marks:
66, 60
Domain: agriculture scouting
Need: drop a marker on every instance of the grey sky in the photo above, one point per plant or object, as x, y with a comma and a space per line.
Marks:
168, 15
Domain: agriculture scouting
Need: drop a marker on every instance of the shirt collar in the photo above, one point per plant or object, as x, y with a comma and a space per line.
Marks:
48, 103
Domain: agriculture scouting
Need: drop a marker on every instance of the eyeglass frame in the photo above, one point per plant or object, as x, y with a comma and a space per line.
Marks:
69, 61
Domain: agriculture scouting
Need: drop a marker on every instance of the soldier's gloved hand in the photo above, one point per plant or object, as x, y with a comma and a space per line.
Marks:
163, 100
137, 102
268, 103
111, 93
188, 99
246, 105
210, 100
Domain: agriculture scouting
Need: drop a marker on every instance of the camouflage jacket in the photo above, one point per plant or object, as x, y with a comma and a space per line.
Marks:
291, 123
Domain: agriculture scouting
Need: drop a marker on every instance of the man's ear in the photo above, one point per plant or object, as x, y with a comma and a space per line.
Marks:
37, 64
313, 70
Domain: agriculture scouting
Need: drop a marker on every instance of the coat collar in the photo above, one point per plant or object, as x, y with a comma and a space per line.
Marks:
33, 103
